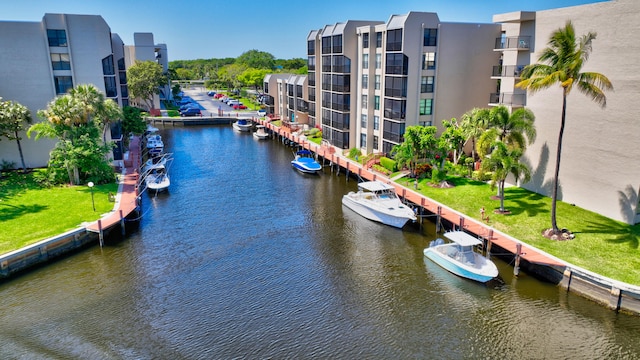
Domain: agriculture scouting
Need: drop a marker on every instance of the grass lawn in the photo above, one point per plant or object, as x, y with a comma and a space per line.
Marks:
601, 245
29, 213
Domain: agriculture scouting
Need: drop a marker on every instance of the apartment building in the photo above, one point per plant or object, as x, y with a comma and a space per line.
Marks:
600, 151
145, 49
44, 59
416, 70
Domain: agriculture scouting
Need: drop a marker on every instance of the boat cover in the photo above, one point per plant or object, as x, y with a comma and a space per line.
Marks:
462, 238
375, 186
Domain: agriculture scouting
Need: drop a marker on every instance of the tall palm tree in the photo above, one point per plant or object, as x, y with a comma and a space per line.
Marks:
505, 160
561, 63
474, 123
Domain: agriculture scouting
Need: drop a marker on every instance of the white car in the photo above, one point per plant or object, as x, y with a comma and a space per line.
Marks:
232, 102
262, 112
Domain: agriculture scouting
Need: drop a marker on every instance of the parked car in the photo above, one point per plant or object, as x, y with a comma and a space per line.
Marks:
239, 106
262, 112
211, 93
191, 112
232, 102
189, 105
218, 96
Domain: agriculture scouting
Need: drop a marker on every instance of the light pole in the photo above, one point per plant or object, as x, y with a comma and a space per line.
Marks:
91, 188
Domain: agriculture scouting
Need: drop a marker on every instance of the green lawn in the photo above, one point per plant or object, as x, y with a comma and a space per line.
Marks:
602, 245
29, 213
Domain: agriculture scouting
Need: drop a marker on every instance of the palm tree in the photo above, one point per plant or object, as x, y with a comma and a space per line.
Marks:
512, 129
505, 160
474, 123
561, 63
13, 117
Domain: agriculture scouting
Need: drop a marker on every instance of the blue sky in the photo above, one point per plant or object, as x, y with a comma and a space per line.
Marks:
206, 29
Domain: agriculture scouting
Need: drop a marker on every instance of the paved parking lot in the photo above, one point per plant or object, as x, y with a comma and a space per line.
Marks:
211, 106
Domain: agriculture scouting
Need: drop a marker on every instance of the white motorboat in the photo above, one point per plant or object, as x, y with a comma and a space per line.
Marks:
305, 163
460, 257
155, 162
243, 125
155, 146
261, 133
378, 201
157, 179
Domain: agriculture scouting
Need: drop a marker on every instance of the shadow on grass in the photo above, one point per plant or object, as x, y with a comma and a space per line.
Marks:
615, 232
9, 212
519, 200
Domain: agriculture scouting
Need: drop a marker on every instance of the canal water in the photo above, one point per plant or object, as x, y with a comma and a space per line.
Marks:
246, 258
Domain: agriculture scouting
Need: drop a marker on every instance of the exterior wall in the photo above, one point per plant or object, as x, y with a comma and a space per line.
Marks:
599, 149
272, 84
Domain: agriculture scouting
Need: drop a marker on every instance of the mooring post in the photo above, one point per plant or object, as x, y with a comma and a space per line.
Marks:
100, 233
516, 267
461, 223
122, 230
438, 216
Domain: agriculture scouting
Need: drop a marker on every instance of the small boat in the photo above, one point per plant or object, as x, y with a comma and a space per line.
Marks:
261, 133
460, 257
155, 162
243, 125
157, 179
305, 163
155, 146
379, 202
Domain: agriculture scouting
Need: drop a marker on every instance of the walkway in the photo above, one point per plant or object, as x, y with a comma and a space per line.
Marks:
126, 200
460, 220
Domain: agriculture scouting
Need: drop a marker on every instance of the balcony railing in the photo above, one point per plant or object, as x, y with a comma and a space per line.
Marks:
507, 71
508, 99
515, 42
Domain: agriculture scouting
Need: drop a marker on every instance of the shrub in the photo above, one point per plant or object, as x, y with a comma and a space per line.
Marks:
381, 169
173, 113
354, 153
438, 175
388, 163
481, 175
423, 170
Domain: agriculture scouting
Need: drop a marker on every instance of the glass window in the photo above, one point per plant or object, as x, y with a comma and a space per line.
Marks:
365, 40
394, 40
375, 142
377, 86
365, 101
363, 140
337, 43
397, 63
379, 39
57, 37
110, 86
60, 62
426, 84
311, 47
363, 121
365, 81
426, 106
429, 61
107, 66
376, 122
326, 45
365, 61
378, 61
377, 102
63, 84
430, 37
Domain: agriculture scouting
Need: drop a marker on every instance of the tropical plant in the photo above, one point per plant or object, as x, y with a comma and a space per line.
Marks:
474, 123
132, 122
13, 117
561, 63
505, 160
515, 130
452, 138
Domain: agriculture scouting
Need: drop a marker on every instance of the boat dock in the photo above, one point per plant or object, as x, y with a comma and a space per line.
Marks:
425, 205
126, 201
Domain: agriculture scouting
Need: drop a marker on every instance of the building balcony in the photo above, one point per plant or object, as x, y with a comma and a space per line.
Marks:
513, 43
507, 71
508, 99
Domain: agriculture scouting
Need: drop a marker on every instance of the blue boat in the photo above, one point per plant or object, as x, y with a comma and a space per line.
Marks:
460, 258
305, 163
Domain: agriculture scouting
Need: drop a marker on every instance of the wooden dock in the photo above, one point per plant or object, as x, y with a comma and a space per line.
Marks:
127, 197
441, 211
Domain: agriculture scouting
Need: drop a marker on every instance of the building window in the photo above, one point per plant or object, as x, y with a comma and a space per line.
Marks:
430, 37
365, 101
378, 61
395, 86
326, 45
429, 61
426, 106
379, 39
110, 86
311, 47
365, 81
377, 85
311, 63
365, 40
57, 37
60, 62
426, 84
337, 43
365, 61
363, 121
363, 140
124, 91
63, 84
375, 142
394, 40
395, 109
377, 102
107, 66
376, 122
397, 64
